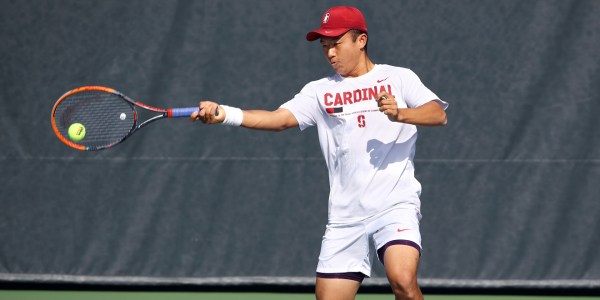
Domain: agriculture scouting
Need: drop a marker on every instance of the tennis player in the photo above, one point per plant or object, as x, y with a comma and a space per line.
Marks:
365, 115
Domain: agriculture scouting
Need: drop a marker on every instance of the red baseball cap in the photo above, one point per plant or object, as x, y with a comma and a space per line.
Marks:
337, 21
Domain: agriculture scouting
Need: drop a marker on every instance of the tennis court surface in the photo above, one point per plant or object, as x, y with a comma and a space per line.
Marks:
136, 295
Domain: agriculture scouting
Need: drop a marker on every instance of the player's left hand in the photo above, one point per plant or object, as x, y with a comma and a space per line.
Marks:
388, 105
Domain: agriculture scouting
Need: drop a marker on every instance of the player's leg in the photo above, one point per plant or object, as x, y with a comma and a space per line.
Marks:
398, 242
401, 264
339, 288
343, 262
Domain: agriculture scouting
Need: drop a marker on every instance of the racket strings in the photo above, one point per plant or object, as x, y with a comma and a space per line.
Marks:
107, 117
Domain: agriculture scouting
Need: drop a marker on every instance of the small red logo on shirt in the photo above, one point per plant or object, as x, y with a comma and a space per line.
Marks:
382, 80
400, 230
333, 110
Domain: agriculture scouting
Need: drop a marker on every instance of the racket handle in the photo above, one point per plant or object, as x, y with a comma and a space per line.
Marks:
181, 112
184, 112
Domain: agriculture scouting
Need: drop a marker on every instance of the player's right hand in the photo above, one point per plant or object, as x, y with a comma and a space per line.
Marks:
210, 113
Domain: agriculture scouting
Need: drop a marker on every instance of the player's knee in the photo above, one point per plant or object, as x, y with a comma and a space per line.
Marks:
405, 286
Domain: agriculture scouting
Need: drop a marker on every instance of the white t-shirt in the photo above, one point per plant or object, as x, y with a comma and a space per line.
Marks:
369, 157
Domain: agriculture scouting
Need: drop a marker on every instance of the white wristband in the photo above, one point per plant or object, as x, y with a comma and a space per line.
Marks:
233, 116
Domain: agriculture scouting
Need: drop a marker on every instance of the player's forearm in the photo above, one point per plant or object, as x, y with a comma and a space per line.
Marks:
429, 114
268, 120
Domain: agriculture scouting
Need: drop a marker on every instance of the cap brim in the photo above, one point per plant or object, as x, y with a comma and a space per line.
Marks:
328, 32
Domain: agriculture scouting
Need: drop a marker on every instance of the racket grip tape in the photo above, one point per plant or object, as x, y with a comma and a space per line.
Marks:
184, 112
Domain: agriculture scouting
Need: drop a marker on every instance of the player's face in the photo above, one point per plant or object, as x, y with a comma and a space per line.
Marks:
343, 53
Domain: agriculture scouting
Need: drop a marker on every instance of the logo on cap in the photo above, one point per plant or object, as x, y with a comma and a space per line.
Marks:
337, 21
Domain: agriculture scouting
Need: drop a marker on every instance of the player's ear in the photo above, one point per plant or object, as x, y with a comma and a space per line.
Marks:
362, 40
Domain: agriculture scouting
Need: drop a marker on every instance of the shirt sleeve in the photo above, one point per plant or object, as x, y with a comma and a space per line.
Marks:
305, 107
415, 93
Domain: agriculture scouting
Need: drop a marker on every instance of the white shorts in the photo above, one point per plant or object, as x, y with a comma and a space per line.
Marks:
345, 247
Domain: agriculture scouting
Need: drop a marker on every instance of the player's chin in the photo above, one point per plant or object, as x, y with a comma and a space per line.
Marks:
343, 72
337, 68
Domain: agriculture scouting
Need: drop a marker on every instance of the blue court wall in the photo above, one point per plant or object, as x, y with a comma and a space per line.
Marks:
510, 186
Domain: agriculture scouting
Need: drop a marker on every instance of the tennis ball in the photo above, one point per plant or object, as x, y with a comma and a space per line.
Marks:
76, 132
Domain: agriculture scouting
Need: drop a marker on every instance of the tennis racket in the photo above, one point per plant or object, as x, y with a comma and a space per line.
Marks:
97, 118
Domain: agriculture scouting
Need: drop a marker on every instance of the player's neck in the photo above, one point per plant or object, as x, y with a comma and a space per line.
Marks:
364, 66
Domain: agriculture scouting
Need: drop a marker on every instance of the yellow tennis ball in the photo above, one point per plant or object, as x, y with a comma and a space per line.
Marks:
76, 132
